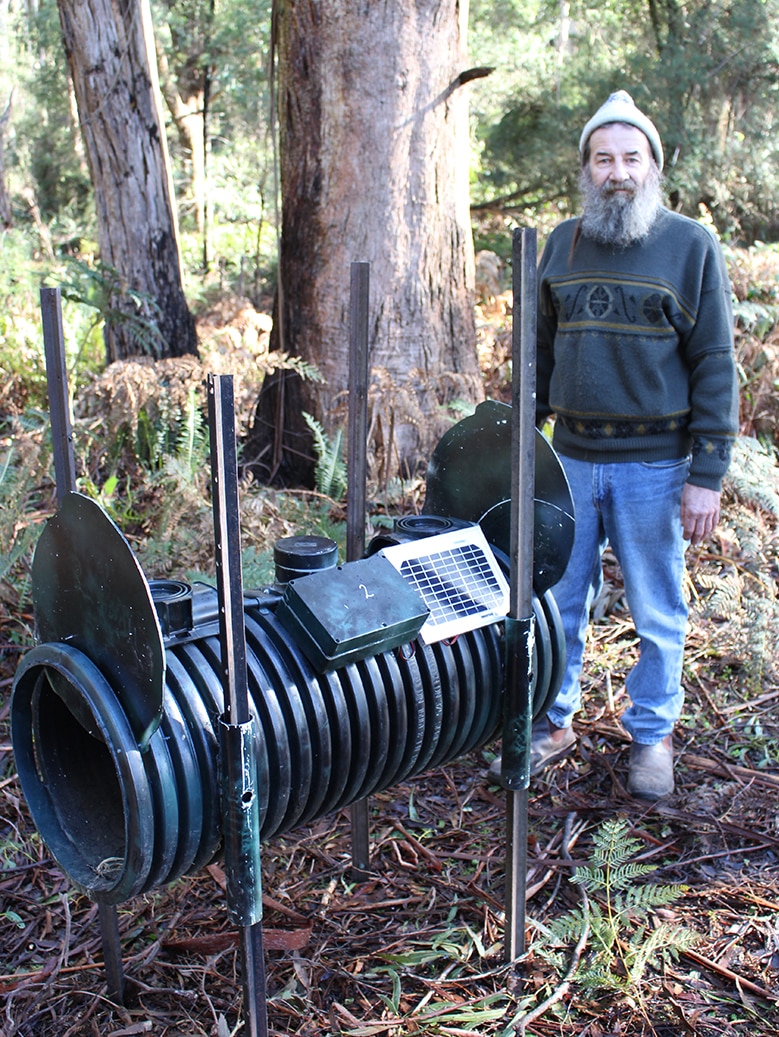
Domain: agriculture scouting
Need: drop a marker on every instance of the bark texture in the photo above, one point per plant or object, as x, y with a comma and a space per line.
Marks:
114, 76
6, 219
374, 168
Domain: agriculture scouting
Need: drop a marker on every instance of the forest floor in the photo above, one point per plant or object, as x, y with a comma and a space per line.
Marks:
417, 946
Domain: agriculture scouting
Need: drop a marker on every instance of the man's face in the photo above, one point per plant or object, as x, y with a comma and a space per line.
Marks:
619, 154
621, 187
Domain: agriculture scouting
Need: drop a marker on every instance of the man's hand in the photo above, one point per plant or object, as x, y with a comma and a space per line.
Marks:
700, 512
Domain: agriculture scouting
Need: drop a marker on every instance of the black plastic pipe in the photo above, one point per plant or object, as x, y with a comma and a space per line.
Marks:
121, 821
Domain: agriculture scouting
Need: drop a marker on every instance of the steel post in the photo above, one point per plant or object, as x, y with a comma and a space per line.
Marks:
355, 497
520, 627
239, 771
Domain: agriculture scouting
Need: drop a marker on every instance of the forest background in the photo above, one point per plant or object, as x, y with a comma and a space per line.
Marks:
709, 75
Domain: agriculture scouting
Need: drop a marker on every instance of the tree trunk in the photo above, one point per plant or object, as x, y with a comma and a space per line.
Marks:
373, 126
6, 220
111, 57
187, 113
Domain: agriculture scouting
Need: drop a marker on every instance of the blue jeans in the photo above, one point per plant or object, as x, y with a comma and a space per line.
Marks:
637, 508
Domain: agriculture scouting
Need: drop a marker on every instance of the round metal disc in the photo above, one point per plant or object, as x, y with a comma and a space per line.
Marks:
89, 590
469, 477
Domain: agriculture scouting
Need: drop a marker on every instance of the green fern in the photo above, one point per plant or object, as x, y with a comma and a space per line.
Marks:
18, 534
101, 288
615, 903
192, 445
330, 471
753, 474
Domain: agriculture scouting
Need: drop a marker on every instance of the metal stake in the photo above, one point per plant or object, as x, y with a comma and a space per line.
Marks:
65, 479
59, 397
520, 627
237, 729
355, 497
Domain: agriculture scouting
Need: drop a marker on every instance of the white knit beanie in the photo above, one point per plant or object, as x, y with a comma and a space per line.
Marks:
621, 108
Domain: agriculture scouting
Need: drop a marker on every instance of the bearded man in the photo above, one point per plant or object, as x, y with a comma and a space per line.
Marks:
635, 361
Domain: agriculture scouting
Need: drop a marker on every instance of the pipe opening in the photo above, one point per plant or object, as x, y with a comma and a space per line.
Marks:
76, 765
82, 772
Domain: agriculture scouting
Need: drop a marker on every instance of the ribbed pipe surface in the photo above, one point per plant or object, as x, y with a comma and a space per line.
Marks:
121, 822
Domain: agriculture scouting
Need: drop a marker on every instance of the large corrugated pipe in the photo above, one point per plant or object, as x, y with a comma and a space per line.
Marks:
115, 715
121, 821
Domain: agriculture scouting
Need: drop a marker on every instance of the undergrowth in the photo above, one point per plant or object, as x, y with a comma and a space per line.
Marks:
617, 938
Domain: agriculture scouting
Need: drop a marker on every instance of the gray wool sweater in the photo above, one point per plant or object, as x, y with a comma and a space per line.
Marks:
635, 348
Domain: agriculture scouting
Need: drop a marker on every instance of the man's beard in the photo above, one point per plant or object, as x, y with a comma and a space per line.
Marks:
620, 218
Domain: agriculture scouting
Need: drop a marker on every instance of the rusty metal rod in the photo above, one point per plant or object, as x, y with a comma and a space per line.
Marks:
355, 496
59, 400
237, 734
520, 626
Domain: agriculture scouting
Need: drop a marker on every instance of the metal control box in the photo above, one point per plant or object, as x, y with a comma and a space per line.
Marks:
356, 610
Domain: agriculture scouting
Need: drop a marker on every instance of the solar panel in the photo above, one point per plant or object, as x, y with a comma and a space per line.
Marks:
458, 578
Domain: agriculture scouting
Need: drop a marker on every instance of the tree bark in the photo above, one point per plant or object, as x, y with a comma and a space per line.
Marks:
6, 219
187, 113
373, 128
111, 58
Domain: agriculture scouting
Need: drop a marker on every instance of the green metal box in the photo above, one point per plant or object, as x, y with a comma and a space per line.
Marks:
350, 612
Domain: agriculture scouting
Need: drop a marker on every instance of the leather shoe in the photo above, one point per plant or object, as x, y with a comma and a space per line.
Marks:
548, 744
651, 774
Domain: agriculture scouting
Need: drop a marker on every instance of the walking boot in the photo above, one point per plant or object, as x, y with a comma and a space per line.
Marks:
548, 744
651, 770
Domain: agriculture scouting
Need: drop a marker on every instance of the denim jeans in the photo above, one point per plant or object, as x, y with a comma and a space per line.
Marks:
636, 507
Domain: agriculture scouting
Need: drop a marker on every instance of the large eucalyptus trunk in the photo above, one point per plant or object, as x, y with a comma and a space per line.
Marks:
373, 127
111, 58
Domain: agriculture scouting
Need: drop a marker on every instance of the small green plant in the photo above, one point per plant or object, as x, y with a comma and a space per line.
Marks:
100, 287
612, 918
752, 475
177, 433
330, 471
20, 475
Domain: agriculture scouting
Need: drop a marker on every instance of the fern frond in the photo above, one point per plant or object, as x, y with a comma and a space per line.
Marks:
567, 928
620, 876
595, 976
647, 949
613, 846
754, 473
639, 899
622, 946
284, 362
192, 442
721, 594
330, 470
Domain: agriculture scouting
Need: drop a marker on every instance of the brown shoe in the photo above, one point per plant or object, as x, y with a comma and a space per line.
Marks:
548, 744
651, 774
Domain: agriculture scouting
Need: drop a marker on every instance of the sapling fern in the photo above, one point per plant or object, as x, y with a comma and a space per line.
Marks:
330, 471
614, 912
